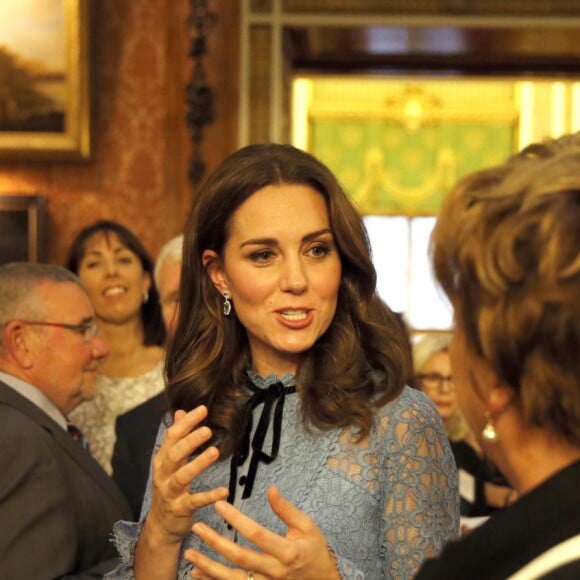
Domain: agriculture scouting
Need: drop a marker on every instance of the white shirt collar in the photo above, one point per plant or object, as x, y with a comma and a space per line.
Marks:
36, 397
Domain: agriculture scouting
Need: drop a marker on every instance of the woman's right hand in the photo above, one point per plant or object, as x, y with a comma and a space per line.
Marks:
172, 506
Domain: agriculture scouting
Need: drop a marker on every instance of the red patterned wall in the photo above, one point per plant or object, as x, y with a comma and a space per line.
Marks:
137, 171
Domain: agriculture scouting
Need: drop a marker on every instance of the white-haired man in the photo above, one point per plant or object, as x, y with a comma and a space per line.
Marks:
57, 505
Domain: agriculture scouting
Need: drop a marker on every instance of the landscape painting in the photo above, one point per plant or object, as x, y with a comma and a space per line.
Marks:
44, 109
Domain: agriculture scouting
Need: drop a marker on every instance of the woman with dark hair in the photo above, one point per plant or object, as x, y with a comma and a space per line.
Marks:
286, 376
506, 250
117, 274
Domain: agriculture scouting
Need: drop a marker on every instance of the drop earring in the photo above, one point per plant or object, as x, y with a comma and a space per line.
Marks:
227, 303
145, 295
489, 432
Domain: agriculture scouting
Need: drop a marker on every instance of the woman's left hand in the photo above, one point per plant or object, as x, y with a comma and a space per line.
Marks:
302, 554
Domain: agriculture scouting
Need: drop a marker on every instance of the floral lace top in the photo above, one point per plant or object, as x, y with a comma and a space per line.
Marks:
384, 504
96, 418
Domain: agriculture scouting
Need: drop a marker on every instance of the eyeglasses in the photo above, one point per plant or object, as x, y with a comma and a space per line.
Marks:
436, 382
88, 330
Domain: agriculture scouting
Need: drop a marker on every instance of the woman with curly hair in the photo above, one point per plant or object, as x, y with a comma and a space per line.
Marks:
286, 375
506, 250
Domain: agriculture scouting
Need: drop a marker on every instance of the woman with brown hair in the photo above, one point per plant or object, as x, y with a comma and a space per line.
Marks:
506, 250
117, 274
286, 375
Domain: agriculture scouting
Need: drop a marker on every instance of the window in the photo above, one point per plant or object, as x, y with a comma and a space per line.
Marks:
404, 278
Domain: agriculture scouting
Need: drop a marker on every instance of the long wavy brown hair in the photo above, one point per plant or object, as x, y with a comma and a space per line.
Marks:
506, 250
360, 362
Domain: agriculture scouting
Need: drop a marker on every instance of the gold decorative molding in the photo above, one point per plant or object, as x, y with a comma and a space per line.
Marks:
411, 102
435, 7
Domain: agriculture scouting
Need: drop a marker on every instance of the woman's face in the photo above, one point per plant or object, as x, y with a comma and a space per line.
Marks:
282, 270
438, 384
113, 278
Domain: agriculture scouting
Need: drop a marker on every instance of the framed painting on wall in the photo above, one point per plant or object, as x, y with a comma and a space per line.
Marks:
23, 222
44, 92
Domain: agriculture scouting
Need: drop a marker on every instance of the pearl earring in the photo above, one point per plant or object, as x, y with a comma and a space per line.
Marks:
489, 432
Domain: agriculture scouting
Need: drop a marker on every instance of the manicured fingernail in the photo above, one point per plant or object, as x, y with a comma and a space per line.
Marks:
222, 507
199, 528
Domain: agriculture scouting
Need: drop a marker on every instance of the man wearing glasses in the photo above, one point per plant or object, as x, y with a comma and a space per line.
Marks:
57, 505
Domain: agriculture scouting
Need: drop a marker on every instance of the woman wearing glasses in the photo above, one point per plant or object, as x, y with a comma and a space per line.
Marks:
481, 487
117, 274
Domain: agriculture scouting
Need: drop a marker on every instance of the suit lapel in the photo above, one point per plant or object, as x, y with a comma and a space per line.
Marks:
71, 447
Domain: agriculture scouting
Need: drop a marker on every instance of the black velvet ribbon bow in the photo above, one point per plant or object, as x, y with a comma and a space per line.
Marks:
272, 396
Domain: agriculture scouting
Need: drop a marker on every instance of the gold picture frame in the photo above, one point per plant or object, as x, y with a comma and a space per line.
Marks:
44, 106
23, 228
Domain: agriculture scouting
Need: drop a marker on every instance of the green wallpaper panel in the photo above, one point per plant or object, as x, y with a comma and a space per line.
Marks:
389, 170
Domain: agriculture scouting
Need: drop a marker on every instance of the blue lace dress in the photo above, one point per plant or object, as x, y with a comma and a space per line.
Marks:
384, 504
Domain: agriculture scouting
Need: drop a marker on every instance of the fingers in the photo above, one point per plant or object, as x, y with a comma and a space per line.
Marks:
288, 513
171, 490
173, 505
207, 569
205, 498
184, 424
245, 558
302, 553
183, 474
181, 440
187, 504
281, 551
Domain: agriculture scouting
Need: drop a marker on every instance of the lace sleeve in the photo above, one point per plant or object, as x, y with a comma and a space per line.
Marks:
421, 504
346, 569
126, 534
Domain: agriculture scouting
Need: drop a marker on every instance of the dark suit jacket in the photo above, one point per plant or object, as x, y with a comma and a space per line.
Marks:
514, 536
136, 431
57, 505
